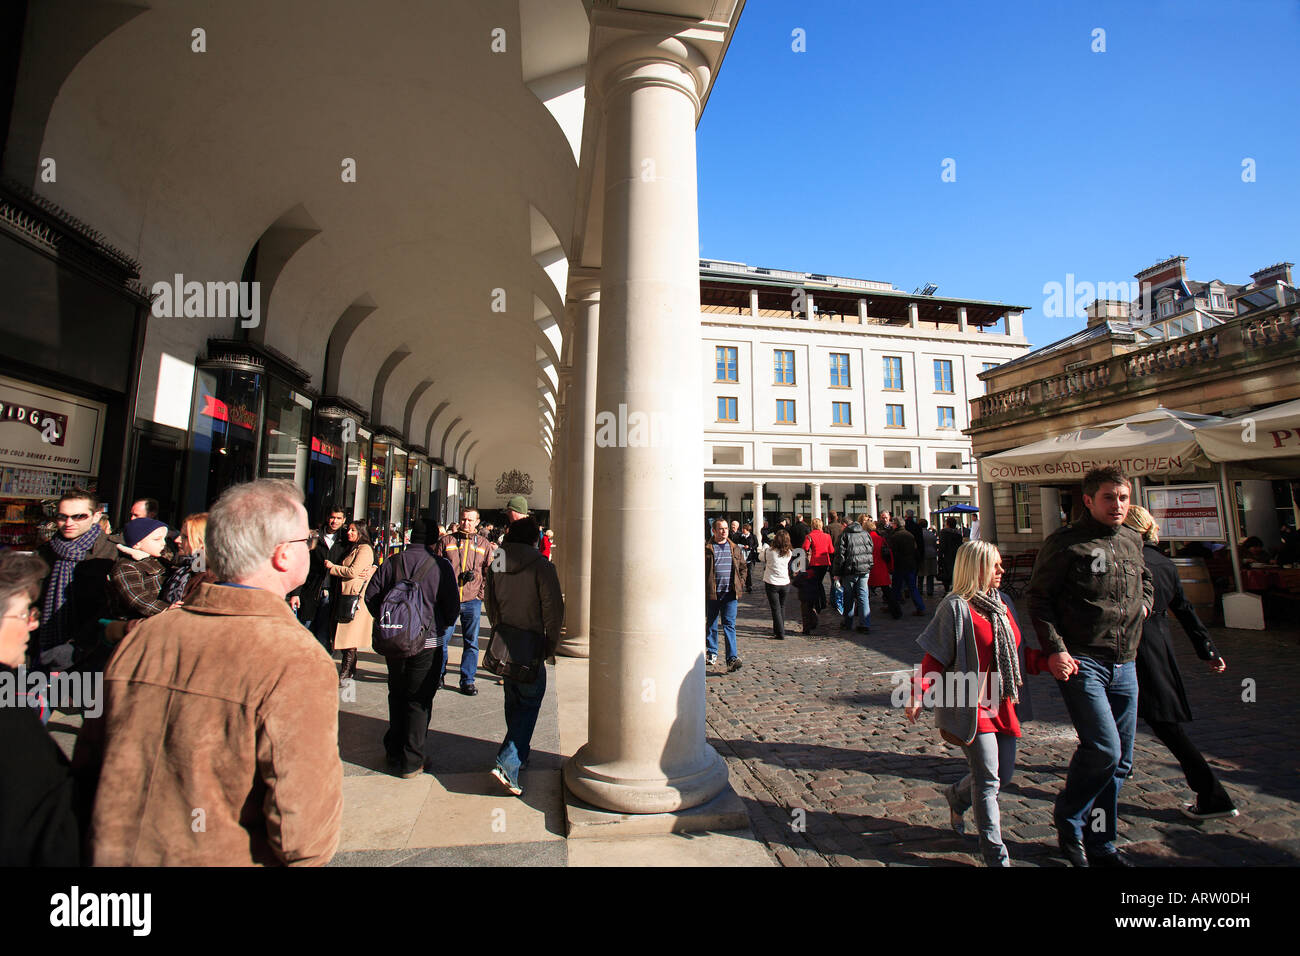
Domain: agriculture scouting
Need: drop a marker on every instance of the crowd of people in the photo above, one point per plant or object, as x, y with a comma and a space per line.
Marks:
158, 612
1096, 602
215, 741
803, 554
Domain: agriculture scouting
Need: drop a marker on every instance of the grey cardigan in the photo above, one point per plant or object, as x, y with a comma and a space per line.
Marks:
950, 639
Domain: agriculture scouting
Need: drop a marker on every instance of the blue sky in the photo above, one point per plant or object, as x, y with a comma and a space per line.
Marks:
1066, 160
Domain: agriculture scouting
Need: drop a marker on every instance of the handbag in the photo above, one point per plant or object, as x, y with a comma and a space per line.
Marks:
515, 653
346, 608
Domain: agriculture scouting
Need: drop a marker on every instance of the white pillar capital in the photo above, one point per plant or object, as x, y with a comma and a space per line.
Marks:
644, 60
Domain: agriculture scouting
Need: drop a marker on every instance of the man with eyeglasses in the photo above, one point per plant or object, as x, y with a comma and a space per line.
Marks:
74, 595
236, 761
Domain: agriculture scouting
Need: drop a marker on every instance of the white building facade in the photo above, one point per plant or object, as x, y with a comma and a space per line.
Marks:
829, 394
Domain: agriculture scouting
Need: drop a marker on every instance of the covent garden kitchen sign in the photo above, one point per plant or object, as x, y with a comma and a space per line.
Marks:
42, 428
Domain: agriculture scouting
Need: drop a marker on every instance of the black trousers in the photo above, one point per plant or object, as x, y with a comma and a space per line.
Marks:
1209, 792
776, 596
412, 682
821, 570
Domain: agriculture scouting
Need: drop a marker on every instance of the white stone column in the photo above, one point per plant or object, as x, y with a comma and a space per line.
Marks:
913, 315
862, 311
579, 466
925, 502
961, 319
758, 511
753, 303
816, 500
646, 750
872, 508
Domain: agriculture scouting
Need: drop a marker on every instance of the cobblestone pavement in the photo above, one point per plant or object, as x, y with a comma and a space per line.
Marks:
833, 775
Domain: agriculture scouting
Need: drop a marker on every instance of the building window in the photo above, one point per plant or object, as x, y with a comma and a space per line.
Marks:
785, 411
893, 373
840, 413
727, 369
839, 369
947, 418
1217, 301
844, 458
726, 409
784, 367
943, 375
894, 416
1022, 507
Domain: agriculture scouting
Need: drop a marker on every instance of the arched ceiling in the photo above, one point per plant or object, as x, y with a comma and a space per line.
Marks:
465, 181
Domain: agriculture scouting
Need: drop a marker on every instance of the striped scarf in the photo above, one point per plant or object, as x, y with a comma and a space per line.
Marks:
1004, 643
58, 612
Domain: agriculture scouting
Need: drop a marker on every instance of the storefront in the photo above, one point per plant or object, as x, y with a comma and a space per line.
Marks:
72, 327
50, 442
252, 419
340, 451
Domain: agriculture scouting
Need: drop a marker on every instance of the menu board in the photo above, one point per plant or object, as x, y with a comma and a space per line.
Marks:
1186, 512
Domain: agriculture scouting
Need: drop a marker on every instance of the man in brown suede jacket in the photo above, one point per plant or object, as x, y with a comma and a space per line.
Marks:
219, 740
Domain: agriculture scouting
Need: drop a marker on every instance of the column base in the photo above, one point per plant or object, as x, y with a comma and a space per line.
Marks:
623, 795
725, 812
574, 646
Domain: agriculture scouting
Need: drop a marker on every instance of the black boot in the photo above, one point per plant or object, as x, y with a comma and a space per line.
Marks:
348, 669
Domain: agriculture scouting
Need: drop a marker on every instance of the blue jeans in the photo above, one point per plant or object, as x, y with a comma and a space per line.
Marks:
469, 617
856, 602
726, 607
837, 595
907, 579
1102, 701
992, 762
523, 704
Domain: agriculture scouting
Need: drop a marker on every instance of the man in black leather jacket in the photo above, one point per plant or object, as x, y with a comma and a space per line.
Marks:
1089, 593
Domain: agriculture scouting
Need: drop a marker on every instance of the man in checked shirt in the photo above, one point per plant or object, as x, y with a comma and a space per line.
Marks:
469, 553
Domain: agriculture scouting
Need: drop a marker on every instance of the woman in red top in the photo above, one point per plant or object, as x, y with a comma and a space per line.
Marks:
820, 548
881, 568
975, 603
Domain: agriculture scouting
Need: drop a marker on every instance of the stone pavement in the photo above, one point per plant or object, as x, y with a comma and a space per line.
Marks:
832, 775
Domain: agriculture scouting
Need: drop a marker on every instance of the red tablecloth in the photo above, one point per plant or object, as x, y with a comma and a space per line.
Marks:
1271, 579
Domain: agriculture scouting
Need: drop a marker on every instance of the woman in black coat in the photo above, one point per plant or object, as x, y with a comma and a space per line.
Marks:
1162, 700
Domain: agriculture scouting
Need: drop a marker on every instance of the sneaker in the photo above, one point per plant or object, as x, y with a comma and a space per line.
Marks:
511, 785
733, 664
711, 660
1193, 811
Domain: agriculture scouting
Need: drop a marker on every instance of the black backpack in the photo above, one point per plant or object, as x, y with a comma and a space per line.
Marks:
405, 617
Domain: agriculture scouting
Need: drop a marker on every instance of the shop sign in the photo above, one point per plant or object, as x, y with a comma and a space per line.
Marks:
215, 408
44, 428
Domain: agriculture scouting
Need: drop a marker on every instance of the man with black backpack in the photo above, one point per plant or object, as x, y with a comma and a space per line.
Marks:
412, 599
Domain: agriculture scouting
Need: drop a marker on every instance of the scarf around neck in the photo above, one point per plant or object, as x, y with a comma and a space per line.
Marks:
58, 611
1004, 643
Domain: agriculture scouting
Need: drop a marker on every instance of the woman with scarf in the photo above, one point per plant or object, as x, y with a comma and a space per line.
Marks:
191, 568
972, 669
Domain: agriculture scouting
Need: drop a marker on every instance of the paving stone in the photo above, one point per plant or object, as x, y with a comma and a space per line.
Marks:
811, 721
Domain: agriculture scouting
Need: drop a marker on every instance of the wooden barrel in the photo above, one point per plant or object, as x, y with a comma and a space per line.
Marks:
1197, 586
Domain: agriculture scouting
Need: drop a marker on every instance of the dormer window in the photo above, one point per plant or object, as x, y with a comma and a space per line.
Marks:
1218, 301
1166, 308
